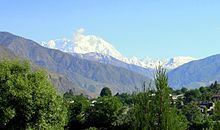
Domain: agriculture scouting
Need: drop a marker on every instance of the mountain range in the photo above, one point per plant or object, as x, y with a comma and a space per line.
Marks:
87, 44
197, 73
89, 76
89, 71
59, 81
183, 71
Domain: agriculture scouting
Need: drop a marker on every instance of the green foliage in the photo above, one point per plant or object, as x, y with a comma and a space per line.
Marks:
192, 108
126, 99
215, 88
68, 96
125, 120
105, 92
217, 111
155, 112
192, 95
143, 112
78, 106
162, 99
104, 111
91, 128
177, 92
167, 116
192, 113
27, 99
216, 126
184, 90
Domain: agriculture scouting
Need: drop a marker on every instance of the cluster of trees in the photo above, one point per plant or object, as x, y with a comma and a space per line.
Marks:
148, 110
190, 106
28, 101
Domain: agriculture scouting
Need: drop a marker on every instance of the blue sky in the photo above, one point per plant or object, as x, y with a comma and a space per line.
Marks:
154, 28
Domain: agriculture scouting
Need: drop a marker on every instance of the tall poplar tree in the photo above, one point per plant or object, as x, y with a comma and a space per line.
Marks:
167, 116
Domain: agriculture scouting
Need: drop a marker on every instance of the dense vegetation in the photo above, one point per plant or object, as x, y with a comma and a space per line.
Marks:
152, 109
29, 101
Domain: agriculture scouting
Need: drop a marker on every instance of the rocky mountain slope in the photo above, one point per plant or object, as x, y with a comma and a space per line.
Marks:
89, 75
196, 73
61, 83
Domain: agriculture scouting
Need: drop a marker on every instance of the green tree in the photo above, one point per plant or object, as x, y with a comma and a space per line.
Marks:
126, 99
183, 89
91, 128
105, 92
202, 89
216, 115
216, 126
177, 92
77, 108
167, 116
192, 95
216, 88
68, 96
143, 112
124, 121
27, 99
193, 114
154, 111
104, 112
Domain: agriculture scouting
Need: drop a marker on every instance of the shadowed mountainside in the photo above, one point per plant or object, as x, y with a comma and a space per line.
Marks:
196, 73
89, 75
61, 83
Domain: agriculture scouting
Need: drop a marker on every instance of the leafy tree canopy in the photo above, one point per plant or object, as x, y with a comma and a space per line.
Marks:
104, 111
27, 99
105, 92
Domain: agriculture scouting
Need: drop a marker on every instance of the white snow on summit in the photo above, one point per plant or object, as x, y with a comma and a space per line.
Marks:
83, 44
86, 44
60, 44
90, 43
167, 63
177, 61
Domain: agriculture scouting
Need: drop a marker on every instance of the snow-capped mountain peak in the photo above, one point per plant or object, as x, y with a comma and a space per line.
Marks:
169, 64
83, 44
64, 45
91, 43
95, 47
177, 61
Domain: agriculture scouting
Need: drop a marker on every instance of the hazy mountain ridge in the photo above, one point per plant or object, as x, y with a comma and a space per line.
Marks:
115, 62
89, 75
61, 83
6, 53
196, 73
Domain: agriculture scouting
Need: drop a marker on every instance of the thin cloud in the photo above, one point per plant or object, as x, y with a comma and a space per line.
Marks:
81, 30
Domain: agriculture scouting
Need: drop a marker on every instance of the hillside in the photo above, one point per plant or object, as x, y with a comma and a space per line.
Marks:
61, 83
89, 75
196, 73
